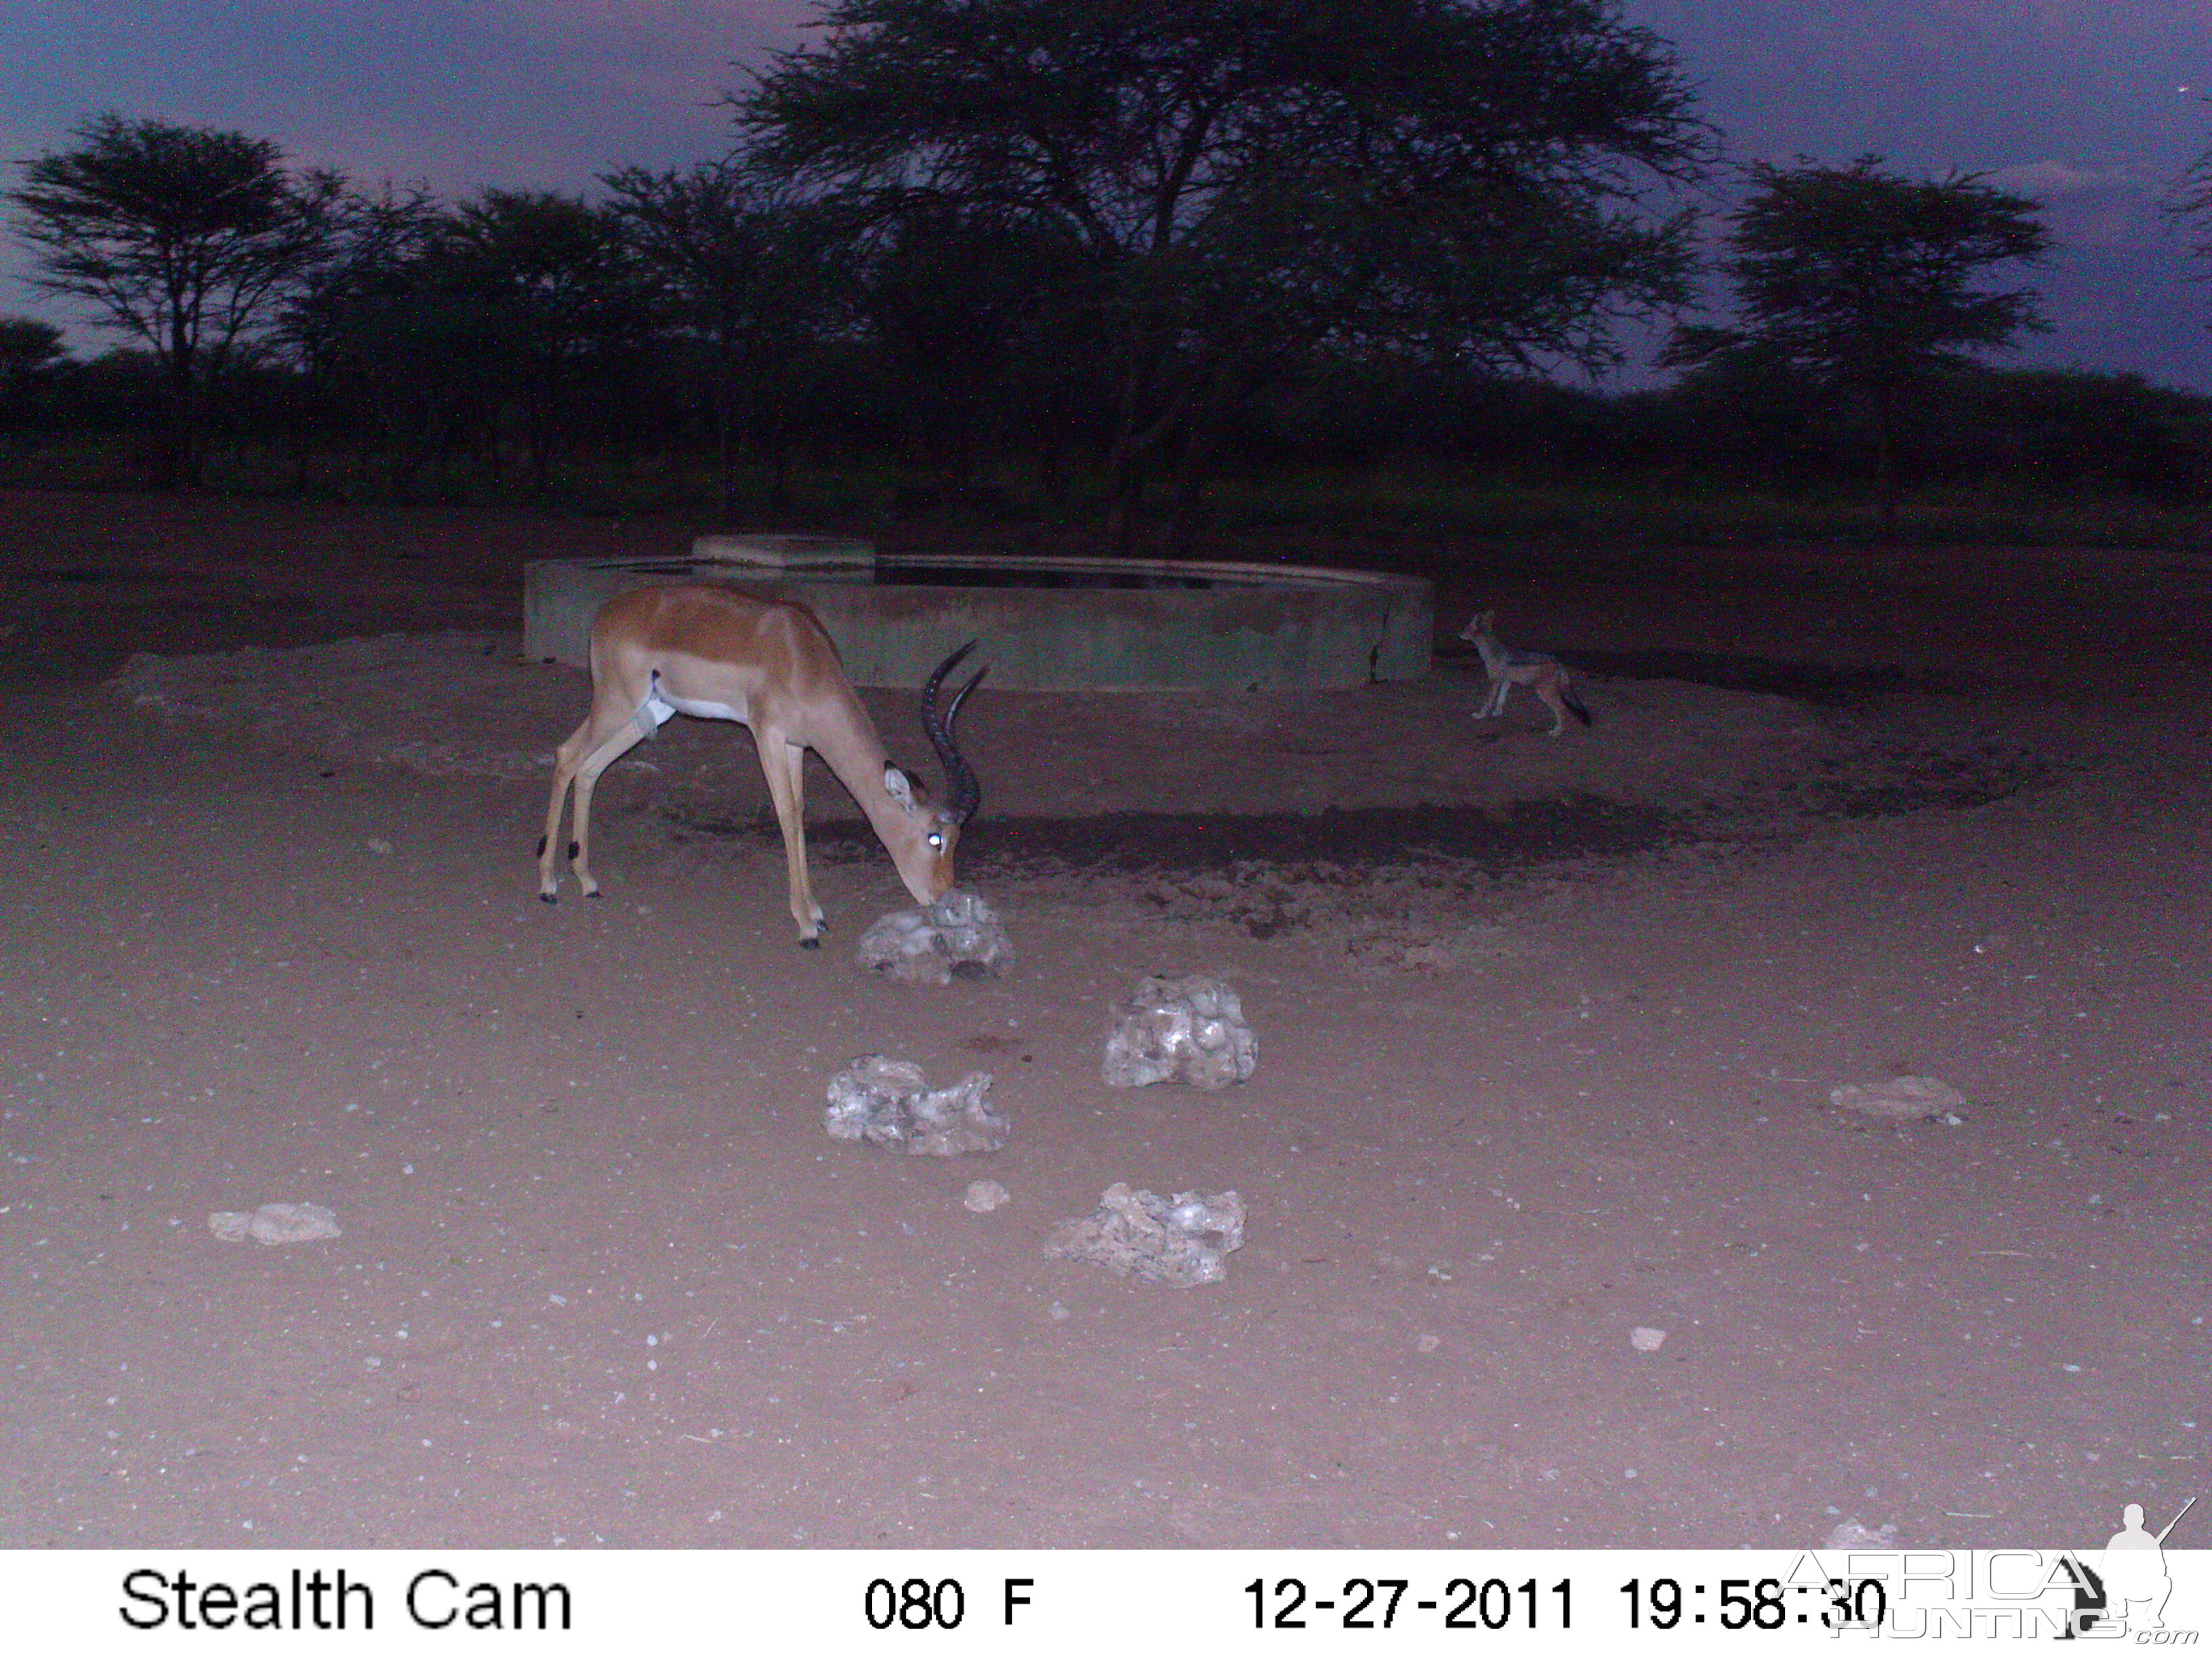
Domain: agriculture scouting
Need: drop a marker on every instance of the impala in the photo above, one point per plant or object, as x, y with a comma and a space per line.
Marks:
767, 663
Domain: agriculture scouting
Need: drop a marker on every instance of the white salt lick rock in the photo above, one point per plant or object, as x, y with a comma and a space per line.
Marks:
274, 1223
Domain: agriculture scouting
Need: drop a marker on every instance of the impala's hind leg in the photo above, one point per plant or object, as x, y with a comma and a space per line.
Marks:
611, 749
566, 759
590, 749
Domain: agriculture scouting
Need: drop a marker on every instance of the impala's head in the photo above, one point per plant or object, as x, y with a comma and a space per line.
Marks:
1482, 622
924, 853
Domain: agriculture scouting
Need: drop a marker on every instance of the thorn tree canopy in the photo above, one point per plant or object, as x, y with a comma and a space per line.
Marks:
183, 237
1867, 281
1252, 177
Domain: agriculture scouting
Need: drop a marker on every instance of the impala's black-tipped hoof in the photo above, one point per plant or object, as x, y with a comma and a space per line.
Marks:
549, 898
594, 893
809, 944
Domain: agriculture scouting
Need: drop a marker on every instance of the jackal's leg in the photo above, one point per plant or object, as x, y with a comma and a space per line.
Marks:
1552, 686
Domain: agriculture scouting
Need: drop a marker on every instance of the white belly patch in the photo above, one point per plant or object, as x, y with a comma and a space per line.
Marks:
663, 705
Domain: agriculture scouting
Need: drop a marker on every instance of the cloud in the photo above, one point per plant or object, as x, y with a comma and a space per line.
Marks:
2061, 177
458, 92
1954, 84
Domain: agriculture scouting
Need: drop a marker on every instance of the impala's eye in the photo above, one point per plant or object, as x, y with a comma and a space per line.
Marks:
936, 839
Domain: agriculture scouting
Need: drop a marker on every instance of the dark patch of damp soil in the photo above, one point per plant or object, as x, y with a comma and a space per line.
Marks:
1831, 684
1494, 838
90, 575
1912, 782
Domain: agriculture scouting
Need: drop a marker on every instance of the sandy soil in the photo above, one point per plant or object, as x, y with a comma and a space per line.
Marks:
1546, 1035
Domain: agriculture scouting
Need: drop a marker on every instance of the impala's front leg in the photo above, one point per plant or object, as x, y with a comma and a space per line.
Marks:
784, 764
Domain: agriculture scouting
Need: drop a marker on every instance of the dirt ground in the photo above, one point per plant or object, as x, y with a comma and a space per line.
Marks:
1546, 1035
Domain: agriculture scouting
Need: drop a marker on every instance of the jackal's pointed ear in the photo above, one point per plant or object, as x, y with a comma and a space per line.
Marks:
898, 786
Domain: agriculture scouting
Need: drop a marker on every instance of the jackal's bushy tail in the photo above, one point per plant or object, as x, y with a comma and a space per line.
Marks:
1575, 705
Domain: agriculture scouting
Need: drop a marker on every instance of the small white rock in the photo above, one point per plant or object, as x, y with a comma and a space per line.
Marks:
985, 1196
1190, 1030
274, 1223
889, 1103
1428, 1342
959, 937
1901, 1099
1181, 1241
1852, 1535
1646, 1338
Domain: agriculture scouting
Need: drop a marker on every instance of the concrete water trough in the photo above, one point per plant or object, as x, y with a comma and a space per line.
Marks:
1049, 623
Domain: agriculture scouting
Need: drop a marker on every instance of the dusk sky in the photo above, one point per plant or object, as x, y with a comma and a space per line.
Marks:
2091, 106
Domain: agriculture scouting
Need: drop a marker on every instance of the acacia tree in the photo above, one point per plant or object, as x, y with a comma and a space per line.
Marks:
558, 308
1246, 177
1865, 281
384, 348
184, 238
754, 269
2190, 202
964, 310
31, 356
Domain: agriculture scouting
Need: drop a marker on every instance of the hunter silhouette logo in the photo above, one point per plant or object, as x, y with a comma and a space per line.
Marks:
2118, 1593
2132, 1584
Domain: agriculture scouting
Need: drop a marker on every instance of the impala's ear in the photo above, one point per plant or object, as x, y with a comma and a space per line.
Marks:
899, 786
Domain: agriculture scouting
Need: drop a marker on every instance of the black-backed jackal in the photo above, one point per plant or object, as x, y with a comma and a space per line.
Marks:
1508, 666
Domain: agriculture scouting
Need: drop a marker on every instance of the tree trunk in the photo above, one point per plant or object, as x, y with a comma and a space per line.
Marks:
538, 435
181, 457
1125, 455
1884, 440
1052, 465
725, 471
1125, 486
182, 444
725, 461
1125, 502
1199, 443
778, 489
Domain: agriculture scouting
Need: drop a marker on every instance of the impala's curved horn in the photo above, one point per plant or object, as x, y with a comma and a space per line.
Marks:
962, 793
